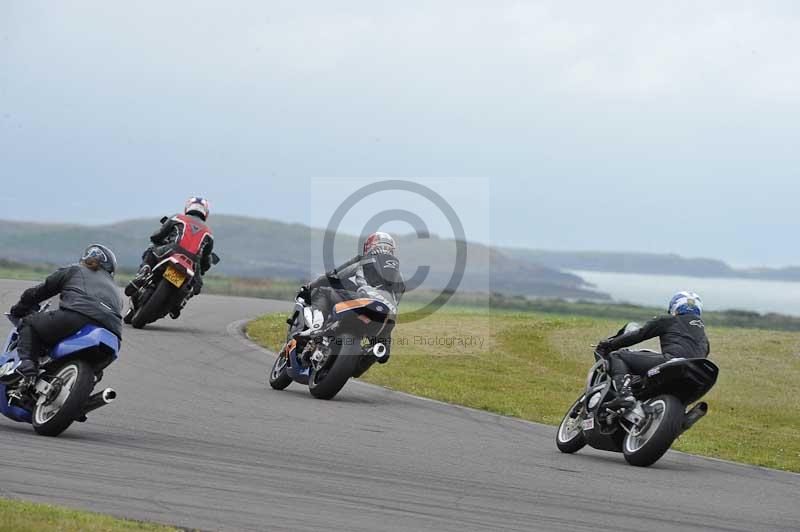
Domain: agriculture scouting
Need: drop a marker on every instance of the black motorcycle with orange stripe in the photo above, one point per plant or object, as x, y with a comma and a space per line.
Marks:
356, 335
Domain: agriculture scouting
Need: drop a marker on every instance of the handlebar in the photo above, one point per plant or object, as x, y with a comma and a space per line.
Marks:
13, 319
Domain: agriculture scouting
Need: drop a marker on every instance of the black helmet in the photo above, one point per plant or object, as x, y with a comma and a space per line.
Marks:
102, 256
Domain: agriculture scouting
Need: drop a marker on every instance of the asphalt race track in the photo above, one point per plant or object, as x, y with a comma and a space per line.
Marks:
197, 440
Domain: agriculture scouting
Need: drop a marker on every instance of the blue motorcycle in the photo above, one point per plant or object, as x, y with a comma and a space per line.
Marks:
68, 373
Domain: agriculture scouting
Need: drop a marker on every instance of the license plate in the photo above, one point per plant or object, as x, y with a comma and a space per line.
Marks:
588, 424
174, 276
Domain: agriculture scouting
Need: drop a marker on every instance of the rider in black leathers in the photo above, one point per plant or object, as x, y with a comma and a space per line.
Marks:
682, 334
88, 295
375, 274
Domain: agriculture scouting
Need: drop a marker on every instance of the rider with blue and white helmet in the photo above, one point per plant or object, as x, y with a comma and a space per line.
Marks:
685, 303
682, 334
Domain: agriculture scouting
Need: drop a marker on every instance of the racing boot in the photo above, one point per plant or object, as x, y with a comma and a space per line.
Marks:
137, 282
624, 398
20, 395
27, 370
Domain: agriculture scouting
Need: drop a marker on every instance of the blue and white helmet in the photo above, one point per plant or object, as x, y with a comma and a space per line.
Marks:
686, 303
103, 255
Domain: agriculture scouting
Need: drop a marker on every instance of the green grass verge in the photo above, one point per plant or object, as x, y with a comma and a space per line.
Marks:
16, 516
533, 365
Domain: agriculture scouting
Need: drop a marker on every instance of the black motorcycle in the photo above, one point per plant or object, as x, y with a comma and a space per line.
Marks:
645, 431
167, 288
357, 334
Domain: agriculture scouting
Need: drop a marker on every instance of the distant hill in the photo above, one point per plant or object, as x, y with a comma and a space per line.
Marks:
647, 263
254, 247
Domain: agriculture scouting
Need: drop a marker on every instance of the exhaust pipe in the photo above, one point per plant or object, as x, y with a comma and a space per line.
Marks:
99, 399
693, 416
379, 350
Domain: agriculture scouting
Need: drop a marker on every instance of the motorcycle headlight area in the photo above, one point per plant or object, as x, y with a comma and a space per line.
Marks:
594, 400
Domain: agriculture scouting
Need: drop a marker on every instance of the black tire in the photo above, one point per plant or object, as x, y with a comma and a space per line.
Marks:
569, 441
328, 381
153, 307
278, 376
52, 423
645, 449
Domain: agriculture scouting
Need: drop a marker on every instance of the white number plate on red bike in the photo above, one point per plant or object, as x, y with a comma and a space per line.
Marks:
174, 276
588, 424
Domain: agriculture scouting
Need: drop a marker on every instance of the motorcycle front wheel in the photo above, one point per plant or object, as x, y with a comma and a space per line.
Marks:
278, 376
570, 438
74, 382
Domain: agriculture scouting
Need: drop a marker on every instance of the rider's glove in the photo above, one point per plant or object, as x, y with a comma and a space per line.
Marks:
20, 311
604, 348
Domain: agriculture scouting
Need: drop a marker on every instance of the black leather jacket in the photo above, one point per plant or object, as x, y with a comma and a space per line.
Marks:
88, 292
379, 272
681, 336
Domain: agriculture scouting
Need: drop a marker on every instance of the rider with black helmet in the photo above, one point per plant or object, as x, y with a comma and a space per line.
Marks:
88, 295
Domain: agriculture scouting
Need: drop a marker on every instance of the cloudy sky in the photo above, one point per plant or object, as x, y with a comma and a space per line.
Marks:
566, 125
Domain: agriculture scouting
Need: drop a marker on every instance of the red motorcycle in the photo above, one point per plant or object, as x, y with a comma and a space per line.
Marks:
171, 282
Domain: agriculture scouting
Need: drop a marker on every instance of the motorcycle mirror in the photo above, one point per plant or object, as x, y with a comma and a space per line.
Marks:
164, 219
215, 258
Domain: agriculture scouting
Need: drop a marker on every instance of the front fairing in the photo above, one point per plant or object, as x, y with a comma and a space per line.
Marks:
9, 361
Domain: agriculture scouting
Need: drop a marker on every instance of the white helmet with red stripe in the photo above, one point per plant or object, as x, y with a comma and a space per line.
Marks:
199, 206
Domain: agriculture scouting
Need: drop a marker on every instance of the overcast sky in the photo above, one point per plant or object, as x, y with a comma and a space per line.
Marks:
599, 125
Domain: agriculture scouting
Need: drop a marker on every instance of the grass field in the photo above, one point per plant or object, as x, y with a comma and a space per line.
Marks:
16, 516
533, 365
212, 284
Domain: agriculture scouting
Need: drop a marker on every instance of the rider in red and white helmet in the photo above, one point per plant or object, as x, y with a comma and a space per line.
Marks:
197, 206
374, 273
172, 231
379, 243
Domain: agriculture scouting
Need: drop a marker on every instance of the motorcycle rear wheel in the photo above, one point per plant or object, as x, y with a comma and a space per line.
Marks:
646, 446
326, 382
570, 438
151, 307
53, 417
